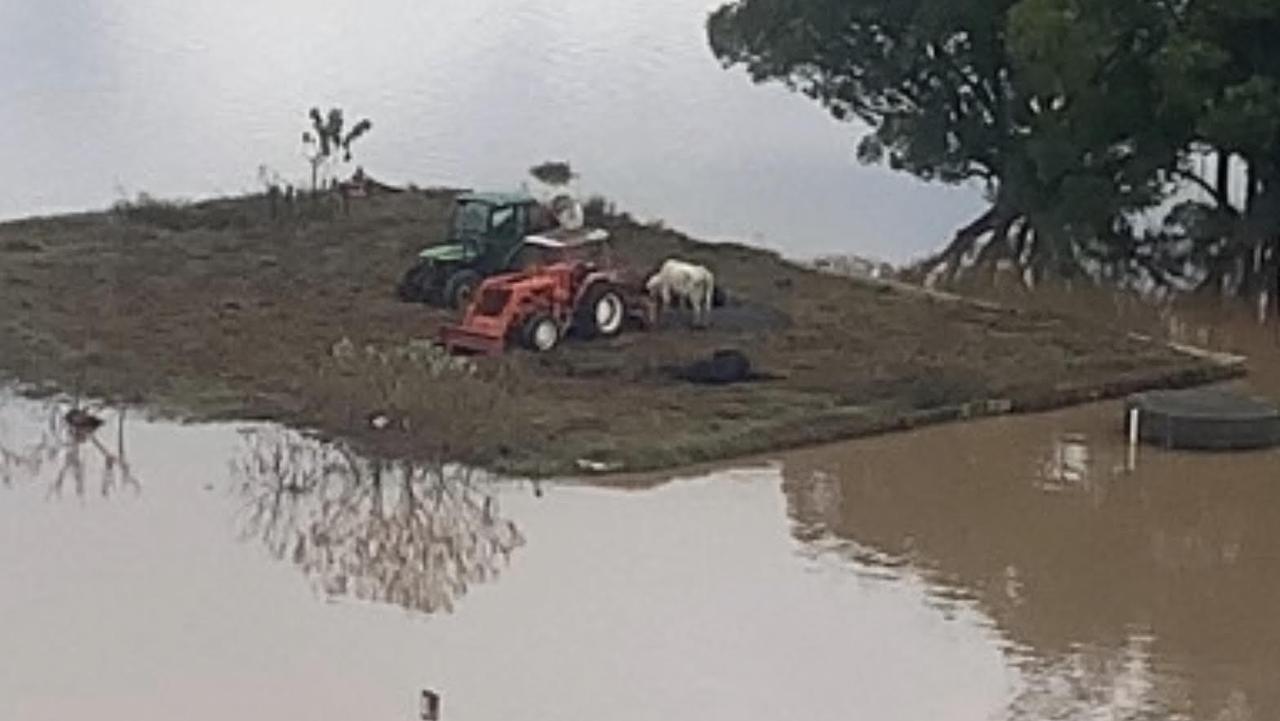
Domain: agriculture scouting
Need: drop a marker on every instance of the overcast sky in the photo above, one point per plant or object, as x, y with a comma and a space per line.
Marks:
114, 97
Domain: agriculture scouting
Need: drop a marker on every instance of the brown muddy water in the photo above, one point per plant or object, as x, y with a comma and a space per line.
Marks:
1018, 568
161, 599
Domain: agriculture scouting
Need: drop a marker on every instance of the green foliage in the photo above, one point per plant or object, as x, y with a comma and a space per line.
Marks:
928, 76
553, 172
945, 89
1080, 116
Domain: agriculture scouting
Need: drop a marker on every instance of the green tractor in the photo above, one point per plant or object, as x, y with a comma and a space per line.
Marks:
490, 233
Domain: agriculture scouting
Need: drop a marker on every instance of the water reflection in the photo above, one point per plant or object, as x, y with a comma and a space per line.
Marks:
71, 456
1067, 466
390, 532
1098, 681
1148, 594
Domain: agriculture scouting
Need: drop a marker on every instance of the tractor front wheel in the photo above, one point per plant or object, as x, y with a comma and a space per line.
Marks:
601, 312
460, 287
540, 333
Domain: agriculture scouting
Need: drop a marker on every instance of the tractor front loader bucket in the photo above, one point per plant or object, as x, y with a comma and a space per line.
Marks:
474, 338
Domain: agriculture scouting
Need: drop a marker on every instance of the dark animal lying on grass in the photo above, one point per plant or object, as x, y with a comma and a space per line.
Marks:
725, 366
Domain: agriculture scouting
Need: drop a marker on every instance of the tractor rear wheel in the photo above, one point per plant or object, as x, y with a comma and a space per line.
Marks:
460, 287
416, 285
601, 312
540, 332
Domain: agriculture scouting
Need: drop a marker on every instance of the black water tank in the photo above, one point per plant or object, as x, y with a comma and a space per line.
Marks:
1204, 419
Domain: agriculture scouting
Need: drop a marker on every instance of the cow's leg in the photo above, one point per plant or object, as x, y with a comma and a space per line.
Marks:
708, 297
664, 300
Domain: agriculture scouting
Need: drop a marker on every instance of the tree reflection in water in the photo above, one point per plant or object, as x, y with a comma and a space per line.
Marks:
1143, 594
71, 456
417, 536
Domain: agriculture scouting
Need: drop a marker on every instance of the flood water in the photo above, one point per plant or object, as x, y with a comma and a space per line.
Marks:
1010, 569
259, 575
108, 98
1022, 568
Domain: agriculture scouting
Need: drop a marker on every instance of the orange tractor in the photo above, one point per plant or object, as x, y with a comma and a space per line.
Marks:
538, 307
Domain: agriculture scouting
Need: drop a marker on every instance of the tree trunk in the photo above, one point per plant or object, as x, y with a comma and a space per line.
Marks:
1223, 182
1250, 187
947, 265
999, 248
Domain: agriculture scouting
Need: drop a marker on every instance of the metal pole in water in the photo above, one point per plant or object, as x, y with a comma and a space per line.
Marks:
429, 705
1132, 455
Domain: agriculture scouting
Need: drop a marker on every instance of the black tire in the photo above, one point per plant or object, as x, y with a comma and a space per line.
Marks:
1204, 419
540, 333
416, 286
601, 313
460, 287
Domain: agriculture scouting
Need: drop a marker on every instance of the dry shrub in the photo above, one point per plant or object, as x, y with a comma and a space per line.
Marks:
235, 214
180, 215
597, 210
454, 409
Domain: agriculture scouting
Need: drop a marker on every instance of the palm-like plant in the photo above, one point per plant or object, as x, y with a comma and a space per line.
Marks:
327, 141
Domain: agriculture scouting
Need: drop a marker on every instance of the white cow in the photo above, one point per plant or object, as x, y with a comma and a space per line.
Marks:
678, 281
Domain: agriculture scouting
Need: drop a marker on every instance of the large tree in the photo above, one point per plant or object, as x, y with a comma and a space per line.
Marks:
944, 89
1063, 109
1220, 70
1101, 138
931, 79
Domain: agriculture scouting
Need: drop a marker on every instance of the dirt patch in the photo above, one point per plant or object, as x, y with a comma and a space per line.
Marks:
737, 315
219, 310
18, 245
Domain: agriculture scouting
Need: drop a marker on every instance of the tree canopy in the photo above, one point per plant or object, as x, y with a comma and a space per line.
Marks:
1082, 119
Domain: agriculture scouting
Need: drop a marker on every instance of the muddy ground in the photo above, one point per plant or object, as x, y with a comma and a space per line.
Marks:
220, 310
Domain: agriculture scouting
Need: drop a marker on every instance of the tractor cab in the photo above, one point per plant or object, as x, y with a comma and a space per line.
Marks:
495, 222
487, 229
489, 233
486, 234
